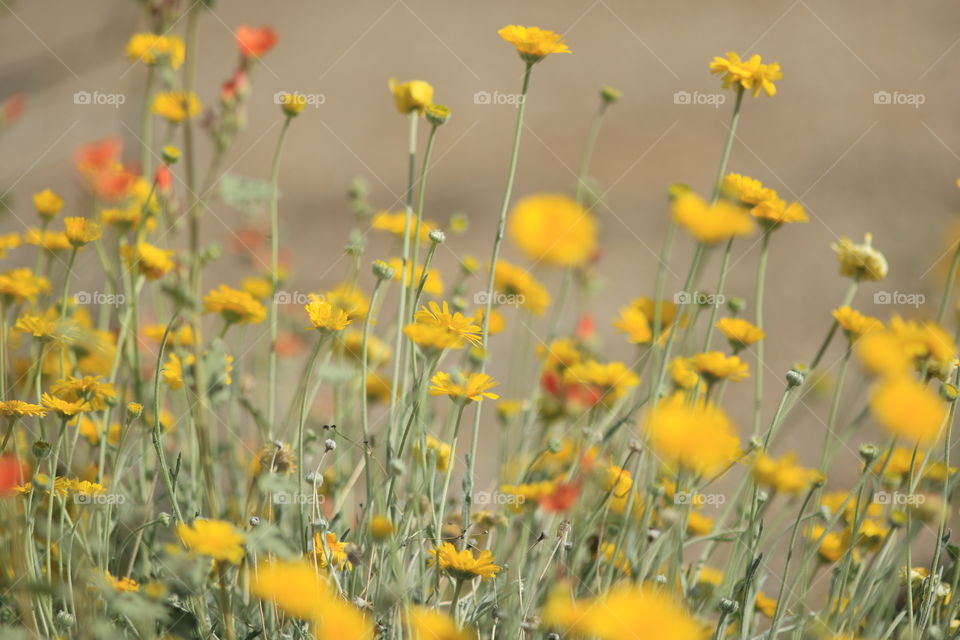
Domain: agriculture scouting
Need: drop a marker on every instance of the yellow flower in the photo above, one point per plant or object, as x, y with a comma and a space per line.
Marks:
683, 374
324, 317
521, 288
152, 262
122, 585
883, 353
182, 337
19, 409
151, 47
740, 332
327, 550
748, 75
47, 203
426, 624
381, 528
235, 306
860, 260
435, 326
88, 388
44, 326
9, 241
697, 436
532, 43
378, 351
833, 545
765, 604
440, 450
433, 285
699, 524
908, 409
783, 475
47, 238
125, 219
854, 323
613, 379
777, 211
625, 611
172, 372
463, 565
64, 408
338, 620
175, 106
292, 103
396, 223
635, 324
711, 223
350, 299
714, 365
81, 231
216, 539
411, 96
295, 587
748, 191
260, 287
473, 387
554, 229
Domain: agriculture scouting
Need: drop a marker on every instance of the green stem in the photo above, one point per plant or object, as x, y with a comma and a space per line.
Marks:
583, 175
758, 374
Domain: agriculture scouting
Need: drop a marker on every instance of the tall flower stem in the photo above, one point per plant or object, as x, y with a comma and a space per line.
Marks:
485, 325
364, 401
421, 194
311, 362
728, 145
948, 285
758, 374
274, 276
584, 172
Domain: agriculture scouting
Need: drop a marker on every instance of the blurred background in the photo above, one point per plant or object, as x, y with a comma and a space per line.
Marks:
862, 131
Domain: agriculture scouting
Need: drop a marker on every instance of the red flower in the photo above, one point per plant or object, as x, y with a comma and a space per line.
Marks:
164, 179
11, 474
253, 42
97, 156
586, 327
562, 498
550, 381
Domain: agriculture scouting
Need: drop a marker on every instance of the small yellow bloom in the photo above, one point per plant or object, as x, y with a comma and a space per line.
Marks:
553, 228
854, 323
176, 106
150, 261
235, 306
765, 604
683, 374
81, 231
532, 43
150, 48
613, 379
748, 75
19, 409
463, 565
396, 223
715, 365
216, 539
48, 239
437, 327
635, 324
414, 95
740, 332
908, 409
292, 103
381, 528
699, 437
860, 260
426, 624
64, 408
783, 475
520, 288
435, 448
711, 224
123, 585
327, 550
473, 387
47, 203
433, 285
324, 317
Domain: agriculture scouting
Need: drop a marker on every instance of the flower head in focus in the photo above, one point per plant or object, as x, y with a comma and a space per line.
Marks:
533, 43
236, 307
81, 231
464, 565
747, 75
860, 260
472, 387
414, 95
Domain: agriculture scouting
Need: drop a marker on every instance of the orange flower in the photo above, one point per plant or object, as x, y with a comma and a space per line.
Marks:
254, 42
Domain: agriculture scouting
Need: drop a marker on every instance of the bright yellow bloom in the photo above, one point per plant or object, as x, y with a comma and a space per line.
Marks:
19, 409
216, 539
715, 365
44, 326
381, 528
883, 353
152, 262
414, 95
47, 203
748, 75
699, 436
9, 241
765, 604
473, 386
699, 524
625, 611
324, 317
236, 307
740, 332
711, 223
260, 287
553, 228
172, 371
560, 354
295, 587
854, 323
126, 218
635, 324
433, 285
520, 288
182, 337
396, 223
833, 545
777, 211
749, 191
436, 327
533, 43
908, 409
64, 408
327, 550
860, 260
151, 47
122, 585
783, 475
683, 374
349, 298
47, 238
175, 106
926, 340
612, 379
339, 620
88, 388
426, 624
81, 231
463, 565
293, 104
435, 448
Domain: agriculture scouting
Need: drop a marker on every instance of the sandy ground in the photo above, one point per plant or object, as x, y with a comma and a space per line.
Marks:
827, 139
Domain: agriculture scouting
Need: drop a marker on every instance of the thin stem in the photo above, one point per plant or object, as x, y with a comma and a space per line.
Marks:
758, 374
584, 172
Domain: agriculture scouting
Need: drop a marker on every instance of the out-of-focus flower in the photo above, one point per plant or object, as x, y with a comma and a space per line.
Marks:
175, 106
414, 95
860, 260
696, 436
908, 409
711, 223
150, 48
553, 228
254, 42
215, 539
236, 307
47, 203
